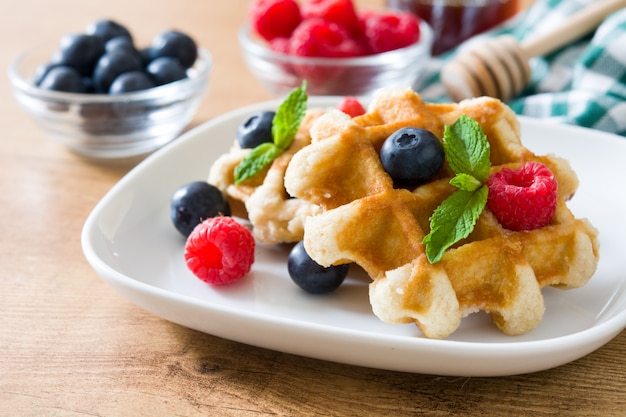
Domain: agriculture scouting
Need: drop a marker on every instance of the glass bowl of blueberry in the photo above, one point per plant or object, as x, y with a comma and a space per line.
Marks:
337, 49
103, 97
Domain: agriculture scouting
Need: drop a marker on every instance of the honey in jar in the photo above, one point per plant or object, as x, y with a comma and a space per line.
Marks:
454, 21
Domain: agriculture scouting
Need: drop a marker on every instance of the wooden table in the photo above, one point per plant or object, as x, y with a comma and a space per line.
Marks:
70, 345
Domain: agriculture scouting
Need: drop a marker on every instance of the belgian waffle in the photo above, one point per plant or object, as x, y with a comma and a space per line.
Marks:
360, 216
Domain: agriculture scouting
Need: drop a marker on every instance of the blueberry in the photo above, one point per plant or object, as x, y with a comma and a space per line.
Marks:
194, 202
144, 54
312, 277
112, 64
121, 43
174, 44
166, 70
42, 70
88, 83
62, 78
257, 129
107, 29
131, 81
80, 51
412, 156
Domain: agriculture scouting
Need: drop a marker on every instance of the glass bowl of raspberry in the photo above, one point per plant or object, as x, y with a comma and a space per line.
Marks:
347, 53
112, 105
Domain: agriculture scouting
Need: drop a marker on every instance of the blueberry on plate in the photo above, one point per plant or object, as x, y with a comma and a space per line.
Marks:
412, 156
165, 70
311, 276
194, 202
63, 78
174, 44
257, 129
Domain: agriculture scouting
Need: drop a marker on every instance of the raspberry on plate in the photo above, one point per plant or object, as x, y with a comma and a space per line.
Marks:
523, 199
351, 106
274, 18
390, 30
220, 250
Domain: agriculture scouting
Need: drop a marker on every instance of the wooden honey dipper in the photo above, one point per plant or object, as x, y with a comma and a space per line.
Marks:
499, 66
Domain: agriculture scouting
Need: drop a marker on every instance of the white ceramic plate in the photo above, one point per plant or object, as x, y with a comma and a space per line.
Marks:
130, 242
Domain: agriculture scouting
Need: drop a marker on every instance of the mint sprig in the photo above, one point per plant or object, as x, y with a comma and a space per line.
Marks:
467, 151
467, 148
285, 125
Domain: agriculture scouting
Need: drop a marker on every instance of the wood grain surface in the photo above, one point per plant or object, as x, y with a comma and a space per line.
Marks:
72, 346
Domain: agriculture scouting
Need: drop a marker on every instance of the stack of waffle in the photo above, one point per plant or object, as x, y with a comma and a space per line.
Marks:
350, 211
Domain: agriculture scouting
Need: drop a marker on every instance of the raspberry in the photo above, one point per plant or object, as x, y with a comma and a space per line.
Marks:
219, 250
351, 106
280, 44
316, 37
386, 31
274, 18
341, 12
523, 199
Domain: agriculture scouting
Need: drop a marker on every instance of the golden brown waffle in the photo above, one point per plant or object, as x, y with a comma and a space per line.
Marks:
275, 216
366, 220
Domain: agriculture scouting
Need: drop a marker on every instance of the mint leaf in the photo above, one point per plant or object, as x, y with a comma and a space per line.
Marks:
465, 182
289, 117
285, 125
467, 151
255, 161
454, 220
467, 148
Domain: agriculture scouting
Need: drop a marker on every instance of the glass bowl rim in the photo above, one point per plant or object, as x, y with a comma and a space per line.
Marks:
200, 73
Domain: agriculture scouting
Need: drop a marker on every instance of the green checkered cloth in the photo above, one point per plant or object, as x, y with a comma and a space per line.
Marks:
582, 84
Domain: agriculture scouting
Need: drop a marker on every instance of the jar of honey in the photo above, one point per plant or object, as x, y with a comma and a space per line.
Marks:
454, 21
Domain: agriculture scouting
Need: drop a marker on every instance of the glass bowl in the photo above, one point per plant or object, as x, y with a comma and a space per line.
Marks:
280, 73
106, 126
